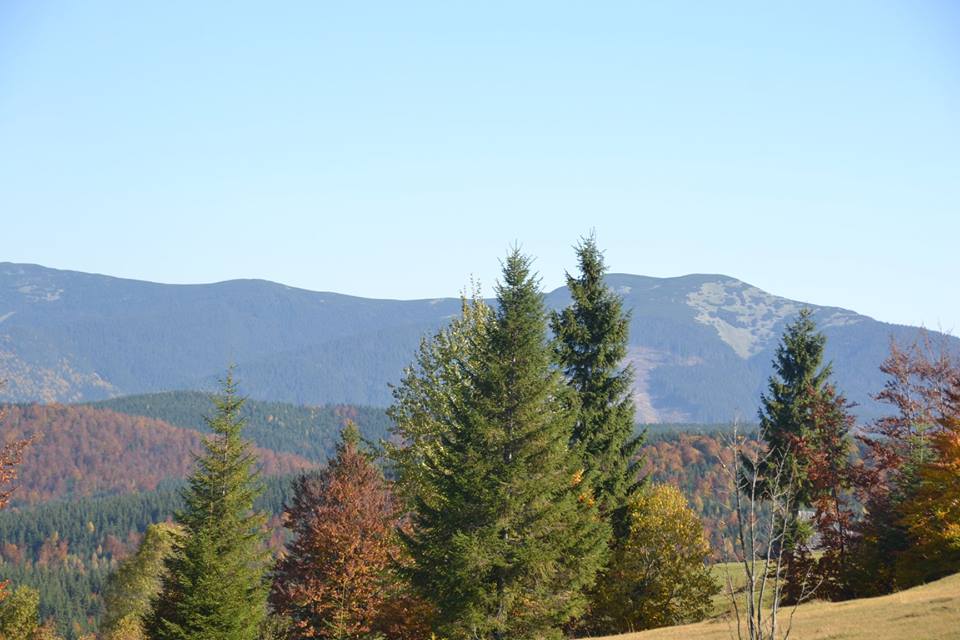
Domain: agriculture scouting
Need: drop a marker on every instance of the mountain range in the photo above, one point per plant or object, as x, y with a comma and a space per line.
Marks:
701, 345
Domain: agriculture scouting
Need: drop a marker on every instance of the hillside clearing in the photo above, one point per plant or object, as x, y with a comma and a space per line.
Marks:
928, 612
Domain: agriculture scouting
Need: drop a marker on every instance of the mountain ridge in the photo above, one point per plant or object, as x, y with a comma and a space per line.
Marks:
701, 343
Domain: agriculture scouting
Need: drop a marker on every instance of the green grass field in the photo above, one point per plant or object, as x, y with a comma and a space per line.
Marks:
928, 612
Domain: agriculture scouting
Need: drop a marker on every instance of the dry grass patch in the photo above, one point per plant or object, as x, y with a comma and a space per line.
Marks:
929, 612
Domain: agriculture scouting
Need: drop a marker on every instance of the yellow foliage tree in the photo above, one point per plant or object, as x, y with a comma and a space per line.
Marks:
659, 577
20, 620
136, 583
932, 516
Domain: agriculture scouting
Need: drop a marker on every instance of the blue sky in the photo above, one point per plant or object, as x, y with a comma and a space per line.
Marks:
396, 149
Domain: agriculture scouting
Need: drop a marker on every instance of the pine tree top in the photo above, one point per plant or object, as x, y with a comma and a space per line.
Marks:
800, 353
226, 419
517, 282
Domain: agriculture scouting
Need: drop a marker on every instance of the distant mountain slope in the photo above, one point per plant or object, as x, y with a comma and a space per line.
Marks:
82, 451
310, 432
702, 344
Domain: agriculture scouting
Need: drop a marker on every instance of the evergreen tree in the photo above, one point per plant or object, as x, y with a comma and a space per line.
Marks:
500, 543
431, 394
215, 587
591, 344
785, 414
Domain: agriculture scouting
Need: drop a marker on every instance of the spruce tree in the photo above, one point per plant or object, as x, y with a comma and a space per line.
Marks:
798, 384
591, 344
501, 544
430, 395
799, 380
215, 587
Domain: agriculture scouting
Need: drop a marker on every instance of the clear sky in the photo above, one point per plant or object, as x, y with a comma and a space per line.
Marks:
395, 149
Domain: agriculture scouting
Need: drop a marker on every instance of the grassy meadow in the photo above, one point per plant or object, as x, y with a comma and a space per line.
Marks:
927, 612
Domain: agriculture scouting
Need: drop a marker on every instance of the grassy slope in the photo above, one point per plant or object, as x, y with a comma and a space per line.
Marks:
928, 612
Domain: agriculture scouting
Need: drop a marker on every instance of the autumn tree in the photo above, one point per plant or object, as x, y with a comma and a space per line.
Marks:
19, 614
897, 446
20, 617
48, 631
11, 455
135, 584
500, 542
591, 345
659, 576
830, 476
336, 579
932, 515
214, 587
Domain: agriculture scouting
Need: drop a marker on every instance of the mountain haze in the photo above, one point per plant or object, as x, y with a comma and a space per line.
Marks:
701, 344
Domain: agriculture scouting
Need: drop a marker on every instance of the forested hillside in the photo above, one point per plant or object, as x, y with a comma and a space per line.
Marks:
310, 432
81, 451
66, 549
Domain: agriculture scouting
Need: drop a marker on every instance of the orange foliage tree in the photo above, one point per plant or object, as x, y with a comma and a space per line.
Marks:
11, 454
10, 457
827, 447
902, 451
337, 578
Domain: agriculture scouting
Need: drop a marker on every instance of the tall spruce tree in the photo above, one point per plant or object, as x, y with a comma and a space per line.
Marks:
500, 543
215, 586
799, 380
591, 344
